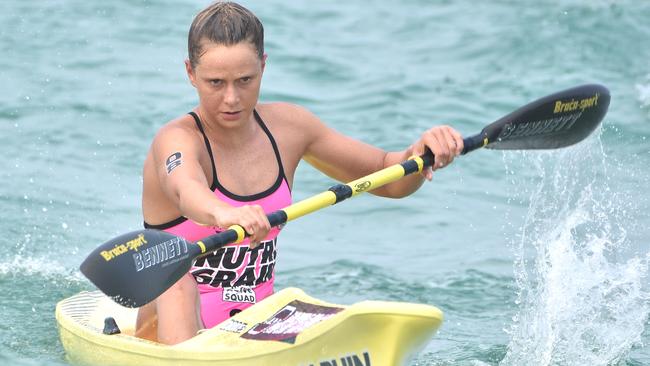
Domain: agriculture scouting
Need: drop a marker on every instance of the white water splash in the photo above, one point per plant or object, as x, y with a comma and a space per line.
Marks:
644, 92
581, 295
42, 267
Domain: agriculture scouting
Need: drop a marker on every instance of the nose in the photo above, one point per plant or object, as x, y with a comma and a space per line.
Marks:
231, 96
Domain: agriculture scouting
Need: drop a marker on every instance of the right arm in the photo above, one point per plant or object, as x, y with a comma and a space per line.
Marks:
175, 156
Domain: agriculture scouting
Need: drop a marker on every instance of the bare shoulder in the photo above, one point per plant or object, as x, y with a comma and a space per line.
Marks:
284, 116
176, 138
287, 112
182, 127
179, 132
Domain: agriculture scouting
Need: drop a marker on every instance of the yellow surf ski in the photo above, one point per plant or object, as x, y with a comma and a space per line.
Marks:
288, 328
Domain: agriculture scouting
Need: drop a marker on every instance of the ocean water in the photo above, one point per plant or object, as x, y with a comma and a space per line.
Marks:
536, 258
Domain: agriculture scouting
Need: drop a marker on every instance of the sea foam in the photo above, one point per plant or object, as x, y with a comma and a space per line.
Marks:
582, 292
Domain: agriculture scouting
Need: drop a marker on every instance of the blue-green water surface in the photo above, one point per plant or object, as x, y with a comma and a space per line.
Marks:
536, 258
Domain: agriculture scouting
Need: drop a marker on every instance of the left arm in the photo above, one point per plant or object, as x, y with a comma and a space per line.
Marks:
345, 159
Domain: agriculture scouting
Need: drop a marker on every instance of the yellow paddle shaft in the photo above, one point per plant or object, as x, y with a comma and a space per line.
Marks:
333, 195
341, 192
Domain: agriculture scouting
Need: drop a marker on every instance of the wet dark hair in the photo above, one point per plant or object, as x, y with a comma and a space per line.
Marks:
224, 23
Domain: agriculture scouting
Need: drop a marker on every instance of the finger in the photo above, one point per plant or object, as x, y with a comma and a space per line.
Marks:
255, 232
266, 225
255, 237
250, 230
456, 138
262, 222
458, 141
258, 225
443, 154
252, 242
450, 141
417, 148
428, 174
249, 226
432, 143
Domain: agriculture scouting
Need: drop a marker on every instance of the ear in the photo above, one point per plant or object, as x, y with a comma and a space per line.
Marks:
264, 61
190, 72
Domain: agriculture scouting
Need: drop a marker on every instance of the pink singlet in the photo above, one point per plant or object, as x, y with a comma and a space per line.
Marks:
235, 276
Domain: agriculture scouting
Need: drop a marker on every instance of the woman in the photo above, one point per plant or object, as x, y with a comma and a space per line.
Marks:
231, 160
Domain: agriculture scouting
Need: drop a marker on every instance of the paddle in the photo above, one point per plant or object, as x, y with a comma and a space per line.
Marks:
137, 267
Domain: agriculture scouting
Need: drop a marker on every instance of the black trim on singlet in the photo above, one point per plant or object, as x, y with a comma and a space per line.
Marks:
256, 196
215, 181
197, 120
167, 225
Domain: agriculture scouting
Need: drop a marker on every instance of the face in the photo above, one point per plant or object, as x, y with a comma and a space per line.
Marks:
227, 79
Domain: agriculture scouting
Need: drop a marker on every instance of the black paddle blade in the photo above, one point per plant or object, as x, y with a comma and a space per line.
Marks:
555, 121
135, 268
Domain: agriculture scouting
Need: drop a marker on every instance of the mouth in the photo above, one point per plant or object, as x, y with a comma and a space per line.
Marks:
230, 115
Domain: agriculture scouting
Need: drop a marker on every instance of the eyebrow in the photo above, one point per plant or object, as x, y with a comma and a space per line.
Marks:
244, 75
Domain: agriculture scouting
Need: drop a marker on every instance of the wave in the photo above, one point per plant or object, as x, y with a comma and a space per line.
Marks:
581, 280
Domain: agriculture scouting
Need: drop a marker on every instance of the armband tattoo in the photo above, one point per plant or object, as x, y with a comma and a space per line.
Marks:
173, 161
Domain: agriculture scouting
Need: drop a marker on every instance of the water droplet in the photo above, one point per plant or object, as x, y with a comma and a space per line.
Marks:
64, 225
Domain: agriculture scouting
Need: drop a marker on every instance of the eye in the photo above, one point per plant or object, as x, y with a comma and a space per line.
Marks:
216, 82
245, 79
